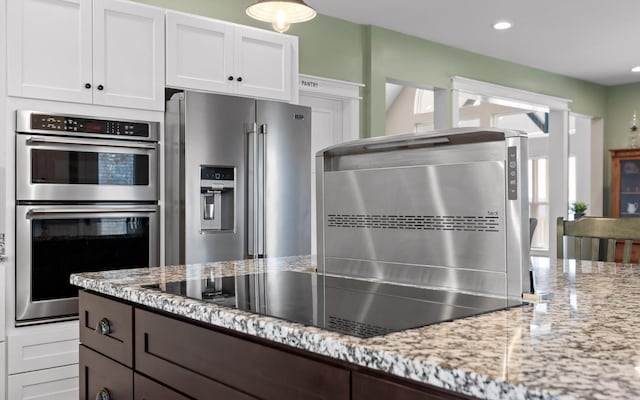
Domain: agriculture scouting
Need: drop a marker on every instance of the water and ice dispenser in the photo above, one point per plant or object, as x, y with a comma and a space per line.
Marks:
217, 198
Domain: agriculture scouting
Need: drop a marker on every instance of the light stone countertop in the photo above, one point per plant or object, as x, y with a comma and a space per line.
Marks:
583, 342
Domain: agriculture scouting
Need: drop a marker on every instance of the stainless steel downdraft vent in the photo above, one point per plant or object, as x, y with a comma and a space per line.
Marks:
416, 222
447, 209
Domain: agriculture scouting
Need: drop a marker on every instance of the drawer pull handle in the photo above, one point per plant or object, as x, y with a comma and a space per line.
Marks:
103, 327
103, 394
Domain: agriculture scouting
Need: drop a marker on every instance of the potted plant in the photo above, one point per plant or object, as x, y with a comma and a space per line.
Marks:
578, 209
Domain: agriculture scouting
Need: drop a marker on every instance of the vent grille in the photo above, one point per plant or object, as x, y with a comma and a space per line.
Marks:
416, 222
355, 328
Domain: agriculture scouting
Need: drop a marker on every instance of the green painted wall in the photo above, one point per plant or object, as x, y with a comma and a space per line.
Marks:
622, 102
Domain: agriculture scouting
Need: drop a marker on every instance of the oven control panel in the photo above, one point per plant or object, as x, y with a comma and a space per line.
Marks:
48, 122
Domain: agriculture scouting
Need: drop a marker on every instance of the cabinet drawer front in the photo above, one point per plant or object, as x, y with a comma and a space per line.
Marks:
146, 389
51, 383
368, 387
184, 356
116, 341
98, 372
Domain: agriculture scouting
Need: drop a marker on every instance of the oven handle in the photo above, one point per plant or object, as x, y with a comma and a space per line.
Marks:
35, 140
89, 210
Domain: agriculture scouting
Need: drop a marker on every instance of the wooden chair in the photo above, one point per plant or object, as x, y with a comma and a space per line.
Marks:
597, 232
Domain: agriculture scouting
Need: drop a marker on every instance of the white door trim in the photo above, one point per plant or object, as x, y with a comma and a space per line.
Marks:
505, 92
347, 92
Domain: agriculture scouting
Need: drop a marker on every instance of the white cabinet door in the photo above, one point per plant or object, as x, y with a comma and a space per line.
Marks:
60, 383
49, 49
199, 53
128, 55
262, 64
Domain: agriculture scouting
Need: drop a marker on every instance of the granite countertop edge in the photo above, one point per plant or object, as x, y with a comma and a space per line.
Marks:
317, 340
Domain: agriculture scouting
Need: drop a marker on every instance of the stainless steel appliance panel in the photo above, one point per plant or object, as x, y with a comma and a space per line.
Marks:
435, 214
74, 169
268, 146
444, 209
47, 235
517, 226
285, 130
402, 157
210, 130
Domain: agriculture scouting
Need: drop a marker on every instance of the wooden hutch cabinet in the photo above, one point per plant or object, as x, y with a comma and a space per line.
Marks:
625, 192
625, 182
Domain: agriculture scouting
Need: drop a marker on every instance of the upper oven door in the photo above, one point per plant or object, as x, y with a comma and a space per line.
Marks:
70, 169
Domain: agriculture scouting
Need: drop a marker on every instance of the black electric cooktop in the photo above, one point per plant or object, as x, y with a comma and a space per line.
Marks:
349, 306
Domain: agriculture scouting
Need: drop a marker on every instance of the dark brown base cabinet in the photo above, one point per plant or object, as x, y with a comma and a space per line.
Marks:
129, 352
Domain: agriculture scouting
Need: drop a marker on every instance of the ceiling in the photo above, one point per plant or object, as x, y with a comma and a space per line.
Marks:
593, 40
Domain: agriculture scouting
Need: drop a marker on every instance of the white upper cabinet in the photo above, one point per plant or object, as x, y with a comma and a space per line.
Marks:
128, 55
210, 55
199, 53
106, 52
49, 49
262, 64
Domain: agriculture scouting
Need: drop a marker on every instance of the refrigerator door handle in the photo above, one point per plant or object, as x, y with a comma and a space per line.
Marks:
252, 234
262, 190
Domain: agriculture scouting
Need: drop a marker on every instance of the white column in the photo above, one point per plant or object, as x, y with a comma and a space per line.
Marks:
596, 205
580, 146
558, 172
455, 112
440, 109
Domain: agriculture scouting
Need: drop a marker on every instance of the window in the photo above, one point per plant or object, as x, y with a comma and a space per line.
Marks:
409, 109
423, 101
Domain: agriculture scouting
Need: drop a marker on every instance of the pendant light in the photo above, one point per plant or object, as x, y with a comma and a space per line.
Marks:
281, 13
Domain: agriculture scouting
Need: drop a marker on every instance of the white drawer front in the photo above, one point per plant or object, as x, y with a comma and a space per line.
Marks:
46, 347
52, 384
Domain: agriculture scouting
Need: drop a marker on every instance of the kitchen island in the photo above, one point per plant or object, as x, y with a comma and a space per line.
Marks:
580, 341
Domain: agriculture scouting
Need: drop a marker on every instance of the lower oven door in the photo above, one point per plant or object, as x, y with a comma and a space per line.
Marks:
56, 241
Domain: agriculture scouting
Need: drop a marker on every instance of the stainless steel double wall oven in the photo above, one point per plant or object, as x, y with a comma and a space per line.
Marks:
86, 200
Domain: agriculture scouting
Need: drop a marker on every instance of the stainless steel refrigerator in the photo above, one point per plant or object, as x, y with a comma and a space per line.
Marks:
238, 178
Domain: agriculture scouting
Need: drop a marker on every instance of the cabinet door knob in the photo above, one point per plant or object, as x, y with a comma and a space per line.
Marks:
239, 79
87, 86
100, 87
103, 394
230, 78
103, 327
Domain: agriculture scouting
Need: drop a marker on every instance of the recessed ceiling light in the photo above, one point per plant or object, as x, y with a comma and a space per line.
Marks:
502, 25
635, 69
